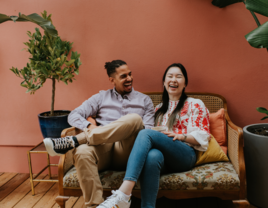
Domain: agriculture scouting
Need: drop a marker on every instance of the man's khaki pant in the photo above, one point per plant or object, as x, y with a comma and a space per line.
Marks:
102, 148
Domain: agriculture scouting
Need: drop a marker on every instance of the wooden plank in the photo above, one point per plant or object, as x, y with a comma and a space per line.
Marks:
11, 185
207, 202
40, 190
79, 203
4, 178
69, 203
14, 197
1, 173
48, 200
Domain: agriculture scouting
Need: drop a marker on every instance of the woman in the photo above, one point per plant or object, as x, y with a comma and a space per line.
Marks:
187, 121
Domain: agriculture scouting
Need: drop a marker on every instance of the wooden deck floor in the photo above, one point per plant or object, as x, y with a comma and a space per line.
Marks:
15, 191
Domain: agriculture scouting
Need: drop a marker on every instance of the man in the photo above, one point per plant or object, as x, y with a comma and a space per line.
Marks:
121, 113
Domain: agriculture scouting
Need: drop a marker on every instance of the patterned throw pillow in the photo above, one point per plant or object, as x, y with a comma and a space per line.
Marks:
214, 153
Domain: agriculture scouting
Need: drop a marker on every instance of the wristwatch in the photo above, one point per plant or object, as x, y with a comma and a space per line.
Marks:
185, 137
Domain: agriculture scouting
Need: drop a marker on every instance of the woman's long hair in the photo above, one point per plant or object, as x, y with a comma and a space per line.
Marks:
165, 99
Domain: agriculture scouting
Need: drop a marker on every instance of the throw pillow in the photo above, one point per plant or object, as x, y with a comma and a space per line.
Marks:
214, 153
218, 128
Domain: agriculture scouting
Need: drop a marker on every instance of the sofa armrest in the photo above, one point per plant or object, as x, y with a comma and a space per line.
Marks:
236, 151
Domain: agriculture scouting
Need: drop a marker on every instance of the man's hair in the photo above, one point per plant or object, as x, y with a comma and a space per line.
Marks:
111, 66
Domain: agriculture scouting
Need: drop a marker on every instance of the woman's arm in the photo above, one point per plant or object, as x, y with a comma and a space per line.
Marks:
198, 125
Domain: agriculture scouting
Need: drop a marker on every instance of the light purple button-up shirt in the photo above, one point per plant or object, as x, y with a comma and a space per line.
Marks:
109, 106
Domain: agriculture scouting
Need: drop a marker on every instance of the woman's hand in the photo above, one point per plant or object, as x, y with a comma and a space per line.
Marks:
189, 139
175, 136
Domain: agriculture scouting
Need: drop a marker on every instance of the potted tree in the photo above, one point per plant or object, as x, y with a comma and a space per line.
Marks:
255, 135
50, 59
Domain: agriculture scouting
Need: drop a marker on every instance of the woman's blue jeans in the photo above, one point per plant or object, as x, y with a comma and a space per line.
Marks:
154, 152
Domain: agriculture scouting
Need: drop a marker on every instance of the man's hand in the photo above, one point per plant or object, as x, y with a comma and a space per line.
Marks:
92, 126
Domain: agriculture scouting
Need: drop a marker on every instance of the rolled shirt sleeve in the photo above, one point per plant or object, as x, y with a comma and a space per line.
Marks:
198, 125
148, 118
78, 117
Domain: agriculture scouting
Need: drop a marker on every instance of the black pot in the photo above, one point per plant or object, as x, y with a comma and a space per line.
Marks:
256, 159
52, 126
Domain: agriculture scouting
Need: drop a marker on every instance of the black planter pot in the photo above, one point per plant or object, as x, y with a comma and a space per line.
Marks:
52, 126
256, 159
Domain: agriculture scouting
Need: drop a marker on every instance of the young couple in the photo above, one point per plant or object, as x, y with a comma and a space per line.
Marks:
124, 136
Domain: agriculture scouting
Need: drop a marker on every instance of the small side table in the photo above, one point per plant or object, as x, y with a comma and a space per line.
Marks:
39, 149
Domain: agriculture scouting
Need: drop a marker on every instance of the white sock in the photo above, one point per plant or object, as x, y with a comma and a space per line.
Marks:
125, 197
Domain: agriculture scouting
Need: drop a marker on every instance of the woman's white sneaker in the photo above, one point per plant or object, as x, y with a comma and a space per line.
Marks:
115, 201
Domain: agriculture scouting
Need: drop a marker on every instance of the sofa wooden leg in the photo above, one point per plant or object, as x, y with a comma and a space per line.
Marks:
61, 200
241, 203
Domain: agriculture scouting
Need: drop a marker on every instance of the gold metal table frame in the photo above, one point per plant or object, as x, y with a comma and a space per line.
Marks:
39, 149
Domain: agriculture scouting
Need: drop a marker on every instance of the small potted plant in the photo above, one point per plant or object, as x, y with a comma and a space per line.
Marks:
255, 135
50, 59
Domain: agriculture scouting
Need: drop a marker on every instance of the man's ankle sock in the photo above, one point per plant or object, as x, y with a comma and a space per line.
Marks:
125, 197
76, 144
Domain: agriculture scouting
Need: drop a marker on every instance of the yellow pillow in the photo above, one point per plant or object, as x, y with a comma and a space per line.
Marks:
214, 153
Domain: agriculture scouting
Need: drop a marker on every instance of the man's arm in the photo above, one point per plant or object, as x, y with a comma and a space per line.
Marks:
148, 118
78, 117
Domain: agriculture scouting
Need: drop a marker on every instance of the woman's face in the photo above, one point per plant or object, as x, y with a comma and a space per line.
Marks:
174, 81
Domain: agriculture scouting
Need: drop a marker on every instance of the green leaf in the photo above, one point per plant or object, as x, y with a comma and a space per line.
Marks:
262, 110
259, 6
4, 18
70, 62
35, 18
224, 3
62, 58
79, 62
44, 71
24, 85
264, 117
68, 76
258, 38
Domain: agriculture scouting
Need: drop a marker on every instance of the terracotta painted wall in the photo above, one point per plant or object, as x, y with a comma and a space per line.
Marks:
149, 35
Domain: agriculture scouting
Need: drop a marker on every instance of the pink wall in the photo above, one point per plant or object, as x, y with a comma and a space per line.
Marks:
149, 35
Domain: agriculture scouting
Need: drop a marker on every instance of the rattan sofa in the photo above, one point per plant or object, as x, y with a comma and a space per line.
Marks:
229, 185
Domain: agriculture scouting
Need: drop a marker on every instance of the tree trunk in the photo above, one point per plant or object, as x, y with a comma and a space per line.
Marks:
53, 97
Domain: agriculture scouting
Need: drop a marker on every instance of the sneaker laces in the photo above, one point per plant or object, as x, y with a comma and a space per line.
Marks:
112, 200
63, 143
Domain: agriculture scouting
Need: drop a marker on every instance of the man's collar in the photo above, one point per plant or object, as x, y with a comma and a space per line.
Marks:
128, 96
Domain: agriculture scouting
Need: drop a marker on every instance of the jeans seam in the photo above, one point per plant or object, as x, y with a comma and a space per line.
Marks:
144, 159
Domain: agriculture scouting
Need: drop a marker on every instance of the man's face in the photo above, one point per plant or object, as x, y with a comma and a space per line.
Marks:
122, 80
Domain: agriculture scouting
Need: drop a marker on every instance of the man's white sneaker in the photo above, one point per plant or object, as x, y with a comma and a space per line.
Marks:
115, 201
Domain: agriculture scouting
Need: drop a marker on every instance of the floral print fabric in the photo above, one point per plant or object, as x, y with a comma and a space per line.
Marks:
193, 119
213, 176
